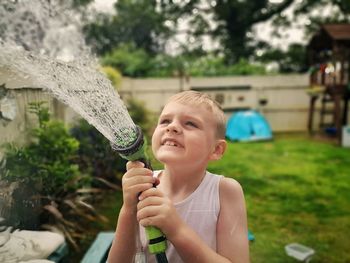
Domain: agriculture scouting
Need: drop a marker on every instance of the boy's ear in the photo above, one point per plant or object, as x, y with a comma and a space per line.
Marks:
219, 150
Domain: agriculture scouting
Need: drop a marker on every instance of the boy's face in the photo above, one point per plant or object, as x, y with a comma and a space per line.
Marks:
185, 134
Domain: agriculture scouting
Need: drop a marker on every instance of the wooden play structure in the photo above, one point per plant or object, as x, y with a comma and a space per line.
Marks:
329, 57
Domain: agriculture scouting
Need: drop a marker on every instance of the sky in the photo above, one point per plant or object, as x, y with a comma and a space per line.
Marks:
104, 5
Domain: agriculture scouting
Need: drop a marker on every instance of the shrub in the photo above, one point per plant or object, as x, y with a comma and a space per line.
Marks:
131, 61
141, 115
50, 192
47, 162
113, 75
96, 156
95, 153
215, 66
136, 62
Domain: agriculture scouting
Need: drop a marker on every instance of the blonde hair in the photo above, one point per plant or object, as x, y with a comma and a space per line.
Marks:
196, 98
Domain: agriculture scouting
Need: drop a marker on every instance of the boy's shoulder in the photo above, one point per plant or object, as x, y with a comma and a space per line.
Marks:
230, 188
226, 182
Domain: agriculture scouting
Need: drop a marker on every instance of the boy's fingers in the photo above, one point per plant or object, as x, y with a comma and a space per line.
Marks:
152, 210
134, 164
133, 180
150, 201
141, 187
150, 192
138, 172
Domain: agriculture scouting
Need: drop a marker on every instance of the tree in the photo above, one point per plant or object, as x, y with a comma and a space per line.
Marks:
78, 3
150, 25
340, 13
291, 60
236, 19
306, 6
136, 22
229, 22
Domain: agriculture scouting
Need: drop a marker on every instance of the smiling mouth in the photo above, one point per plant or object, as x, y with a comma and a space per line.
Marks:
171, 143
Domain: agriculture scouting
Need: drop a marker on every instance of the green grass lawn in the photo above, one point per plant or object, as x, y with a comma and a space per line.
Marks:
296, 190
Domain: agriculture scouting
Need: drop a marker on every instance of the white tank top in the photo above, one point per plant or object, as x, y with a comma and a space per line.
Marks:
200, 211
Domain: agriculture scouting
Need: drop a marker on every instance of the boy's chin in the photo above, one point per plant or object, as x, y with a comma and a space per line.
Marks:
167, 159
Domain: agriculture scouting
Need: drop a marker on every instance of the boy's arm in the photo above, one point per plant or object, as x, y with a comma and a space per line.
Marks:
232, 230
136, 180
124, 244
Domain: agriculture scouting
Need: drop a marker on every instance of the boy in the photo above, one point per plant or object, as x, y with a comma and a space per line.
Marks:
202, 215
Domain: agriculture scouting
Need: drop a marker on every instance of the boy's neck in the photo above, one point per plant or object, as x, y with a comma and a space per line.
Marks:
178, 183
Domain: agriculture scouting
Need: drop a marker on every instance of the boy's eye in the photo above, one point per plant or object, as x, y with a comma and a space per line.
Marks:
164, 121
191, 123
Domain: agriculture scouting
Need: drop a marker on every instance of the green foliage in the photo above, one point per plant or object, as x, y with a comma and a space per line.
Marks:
141, 115
134, 62
136, 22
167, 66
312, 10
307, 6
131, 61
113, 75
243, 67
46, 163
79, 3
292, 60
216, 66
95, 153
50, 191
206, 66
41, 112
140, 31
149, 24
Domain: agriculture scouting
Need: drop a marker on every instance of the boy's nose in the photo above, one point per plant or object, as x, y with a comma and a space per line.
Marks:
173, 127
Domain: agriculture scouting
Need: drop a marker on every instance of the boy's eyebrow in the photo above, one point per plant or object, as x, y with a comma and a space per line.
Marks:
164, 115
193, 118
167, 115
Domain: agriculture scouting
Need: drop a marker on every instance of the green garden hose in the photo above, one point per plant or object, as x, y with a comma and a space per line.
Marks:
137, 152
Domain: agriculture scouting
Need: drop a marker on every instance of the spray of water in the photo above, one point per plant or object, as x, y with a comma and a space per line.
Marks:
41, 41
81, 87
43, 27
35, 44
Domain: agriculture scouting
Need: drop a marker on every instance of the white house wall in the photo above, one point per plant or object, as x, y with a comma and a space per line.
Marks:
287, 101
286, 109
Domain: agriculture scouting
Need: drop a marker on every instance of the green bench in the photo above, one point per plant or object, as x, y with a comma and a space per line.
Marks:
59, 254
98, 251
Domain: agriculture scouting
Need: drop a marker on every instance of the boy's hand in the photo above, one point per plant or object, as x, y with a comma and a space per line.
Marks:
136, 180
155, 209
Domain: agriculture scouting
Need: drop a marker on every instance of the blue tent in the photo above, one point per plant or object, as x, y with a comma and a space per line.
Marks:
248, 126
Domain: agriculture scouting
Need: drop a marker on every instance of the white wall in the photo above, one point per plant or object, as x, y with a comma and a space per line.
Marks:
286, 109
